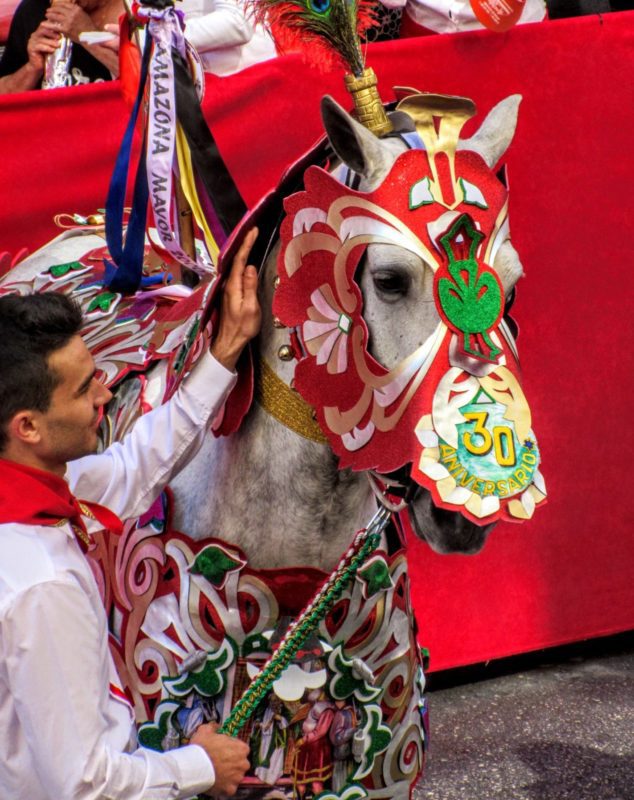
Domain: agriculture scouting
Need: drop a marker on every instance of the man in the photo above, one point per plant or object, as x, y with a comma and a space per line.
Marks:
67, 729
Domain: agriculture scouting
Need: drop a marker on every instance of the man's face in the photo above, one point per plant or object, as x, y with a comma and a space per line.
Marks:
69, 427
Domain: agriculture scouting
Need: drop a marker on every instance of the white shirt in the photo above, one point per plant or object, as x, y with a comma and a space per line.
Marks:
225, 38
454, 16
64, 733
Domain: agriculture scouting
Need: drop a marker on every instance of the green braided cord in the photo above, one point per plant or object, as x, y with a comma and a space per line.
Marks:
305, 624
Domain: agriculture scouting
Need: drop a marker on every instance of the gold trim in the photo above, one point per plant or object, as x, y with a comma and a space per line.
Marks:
81, 534
85, 510
439, 119
367, 103
76, 529
285, 405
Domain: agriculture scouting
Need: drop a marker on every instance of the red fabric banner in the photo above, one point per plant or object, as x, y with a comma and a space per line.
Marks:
566, 574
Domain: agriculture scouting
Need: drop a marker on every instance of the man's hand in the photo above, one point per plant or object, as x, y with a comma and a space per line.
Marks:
42, 41
69, 19
228, 755
240, 314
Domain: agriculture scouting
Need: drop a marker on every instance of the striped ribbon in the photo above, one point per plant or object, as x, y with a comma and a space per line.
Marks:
177, 146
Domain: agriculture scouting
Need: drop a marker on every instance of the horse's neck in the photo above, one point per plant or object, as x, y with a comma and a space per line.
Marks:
277, 495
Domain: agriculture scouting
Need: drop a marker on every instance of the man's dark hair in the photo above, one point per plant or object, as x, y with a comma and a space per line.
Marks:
31, 328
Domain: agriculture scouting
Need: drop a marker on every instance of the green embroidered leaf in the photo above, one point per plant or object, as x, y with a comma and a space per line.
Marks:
345, 680
59, 270
208, 681
472, 305
152, 734
214, 563
375, 576
102, 302
471, 298
377, 738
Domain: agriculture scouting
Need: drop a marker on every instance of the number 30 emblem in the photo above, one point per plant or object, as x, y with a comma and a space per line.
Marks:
479, 449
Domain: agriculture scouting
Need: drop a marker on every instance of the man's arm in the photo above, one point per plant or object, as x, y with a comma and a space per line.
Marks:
55, 651
128, 476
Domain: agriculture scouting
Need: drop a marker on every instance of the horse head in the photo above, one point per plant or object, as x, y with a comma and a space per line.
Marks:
441, 177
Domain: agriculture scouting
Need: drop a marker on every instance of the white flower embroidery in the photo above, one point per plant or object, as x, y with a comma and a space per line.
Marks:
326, 331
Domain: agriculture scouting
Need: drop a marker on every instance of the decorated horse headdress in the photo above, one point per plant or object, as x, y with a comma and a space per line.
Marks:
454, 409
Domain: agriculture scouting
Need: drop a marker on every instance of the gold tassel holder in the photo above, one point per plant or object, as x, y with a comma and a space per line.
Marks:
367, 103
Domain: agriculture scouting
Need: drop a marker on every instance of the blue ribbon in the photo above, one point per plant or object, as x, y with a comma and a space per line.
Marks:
124, 275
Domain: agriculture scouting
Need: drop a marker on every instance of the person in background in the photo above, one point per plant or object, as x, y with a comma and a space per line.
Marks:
35, 32
67, 726
388, 15
424, 17
224, 36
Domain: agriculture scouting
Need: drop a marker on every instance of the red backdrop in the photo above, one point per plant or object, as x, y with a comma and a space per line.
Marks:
567, 574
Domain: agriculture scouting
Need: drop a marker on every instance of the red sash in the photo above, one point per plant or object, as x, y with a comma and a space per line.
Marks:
29, 495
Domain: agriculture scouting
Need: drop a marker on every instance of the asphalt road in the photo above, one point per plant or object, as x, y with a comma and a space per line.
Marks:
558, 725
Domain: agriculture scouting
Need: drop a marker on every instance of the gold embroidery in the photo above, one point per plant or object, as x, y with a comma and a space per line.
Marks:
285, 405
79, 532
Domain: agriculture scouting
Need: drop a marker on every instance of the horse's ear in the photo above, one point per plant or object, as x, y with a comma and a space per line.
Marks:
354, 144
496, 132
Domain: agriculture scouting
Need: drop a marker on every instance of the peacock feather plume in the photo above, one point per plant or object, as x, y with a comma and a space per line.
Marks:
326, 32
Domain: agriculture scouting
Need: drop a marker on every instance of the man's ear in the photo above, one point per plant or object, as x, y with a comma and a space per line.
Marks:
24, 428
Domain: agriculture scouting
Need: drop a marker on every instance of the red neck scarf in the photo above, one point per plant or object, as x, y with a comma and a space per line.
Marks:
29, 495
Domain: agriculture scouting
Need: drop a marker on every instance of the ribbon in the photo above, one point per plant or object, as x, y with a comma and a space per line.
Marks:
177, 143
126, 278
227, 203
168, 38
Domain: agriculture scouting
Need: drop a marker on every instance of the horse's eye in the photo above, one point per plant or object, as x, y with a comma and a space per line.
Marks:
392, 285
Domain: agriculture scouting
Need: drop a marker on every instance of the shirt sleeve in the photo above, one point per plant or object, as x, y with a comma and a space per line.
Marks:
225, 26
129, 475
57, 664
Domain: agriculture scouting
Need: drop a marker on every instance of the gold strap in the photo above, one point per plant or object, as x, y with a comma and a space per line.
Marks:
285, 405
79, 532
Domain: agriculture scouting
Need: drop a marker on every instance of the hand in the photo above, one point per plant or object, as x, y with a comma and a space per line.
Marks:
44, 40
228, 755
112, 44
107, 52
69, 19
240, 314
